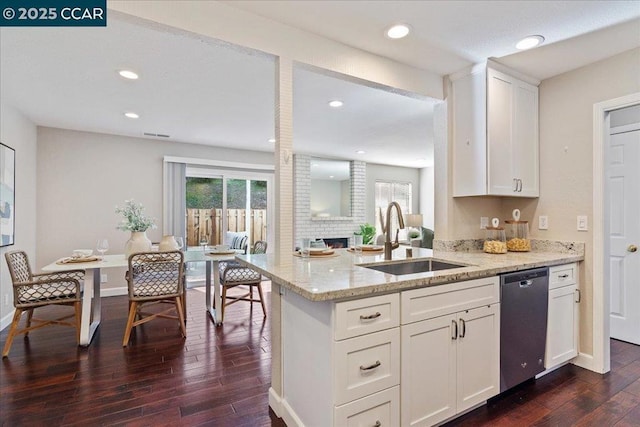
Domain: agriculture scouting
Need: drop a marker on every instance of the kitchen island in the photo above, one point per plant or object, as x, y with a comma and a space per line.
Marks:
357, 344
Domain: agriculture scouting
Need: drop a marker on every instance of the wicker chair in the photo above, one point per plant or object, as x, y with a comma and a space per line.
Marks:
31, 291
155, 278
234, 275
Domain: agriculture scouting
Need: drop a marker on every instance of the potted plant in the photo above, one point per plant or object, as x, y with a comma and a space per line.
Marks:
368, 232
135, 221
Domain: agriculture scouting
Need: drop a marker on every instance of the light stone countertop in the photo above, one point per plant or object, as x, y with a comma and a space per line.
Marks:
342, 277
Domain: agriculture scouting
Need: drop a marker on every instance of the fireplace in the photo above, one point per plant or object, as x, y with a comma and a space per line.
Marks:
337, 242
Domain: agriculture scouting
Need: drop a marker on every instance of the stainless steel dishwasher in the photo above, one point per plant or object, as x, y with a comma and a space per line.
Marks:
523, 325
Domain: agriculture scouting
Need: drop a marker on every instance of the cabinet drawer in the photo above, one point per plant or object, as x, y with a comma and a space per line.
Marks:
562, 275
380, 409
363, 316
366, 365
435, 301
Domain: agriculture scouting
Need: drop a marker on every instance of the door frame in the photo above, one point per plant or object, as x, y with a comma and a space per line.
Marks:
224, 174
601, 305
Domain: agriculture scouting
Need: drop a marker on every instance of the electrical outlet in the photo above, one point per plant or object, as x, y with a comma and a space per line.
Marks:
103, 278
484, 222
543, 222
582, 223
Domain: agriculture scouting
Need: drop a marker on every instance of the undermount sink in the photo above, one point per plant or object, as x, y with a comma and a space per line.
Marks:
423, 265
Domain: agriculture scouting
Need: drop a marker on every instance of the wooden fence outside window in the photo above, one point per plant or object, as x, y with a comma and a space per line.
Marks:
207, 224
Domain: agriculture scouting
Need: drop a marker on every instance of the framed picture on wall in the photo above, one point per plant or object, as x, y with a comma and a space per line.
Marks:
7, 195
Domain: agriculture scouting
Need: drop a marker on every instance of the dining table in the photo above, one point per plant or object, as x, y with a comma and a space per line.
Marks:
91, 307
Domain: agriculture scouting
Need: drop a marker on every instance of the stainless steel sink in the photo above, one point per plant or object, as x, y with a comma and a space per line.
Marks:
422, 265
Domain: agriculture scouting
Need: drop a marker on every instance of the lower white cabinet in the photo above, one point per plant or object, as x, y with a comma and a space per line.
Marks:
449, 364
562, 320
381, 409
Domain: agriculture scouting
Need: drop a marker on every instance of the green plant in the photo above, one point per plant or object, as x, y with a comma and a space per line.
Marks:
414, 234
134, 218
368, 232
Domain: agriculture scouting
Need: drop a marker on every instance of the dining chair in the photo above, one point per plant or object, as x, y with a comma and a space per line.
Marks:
234, 275
155, 278
31, 291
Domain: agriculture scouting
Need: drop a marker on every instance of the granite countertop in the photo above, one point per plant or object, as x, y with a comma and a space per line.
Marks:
342, 276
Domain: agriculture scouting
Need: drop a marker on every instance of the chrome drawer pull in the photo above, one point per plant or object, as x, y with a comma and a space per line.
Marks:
579, 295
563, 276
377, 424
370, 367
454, 330
371, 316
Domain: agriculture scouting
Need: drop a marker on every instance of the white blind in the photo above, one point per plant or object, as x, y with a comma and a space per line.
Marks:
387, 192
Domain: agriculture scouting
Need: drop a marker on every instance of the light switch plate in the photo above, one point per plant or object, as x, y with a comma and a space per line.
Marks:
484, 222
582, 223
543, 222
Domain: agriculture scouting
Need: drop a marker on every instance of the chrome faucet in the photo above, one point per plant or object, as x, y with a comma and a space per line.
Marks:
386, 229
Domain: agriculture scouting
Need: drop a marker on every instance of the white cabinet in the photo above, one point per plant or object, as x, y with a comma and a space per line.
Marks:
450, 363
562, 322
495, 133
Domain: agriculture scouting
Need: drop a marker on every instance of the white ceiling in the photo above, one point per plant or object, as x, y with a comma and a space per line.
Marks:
208, 92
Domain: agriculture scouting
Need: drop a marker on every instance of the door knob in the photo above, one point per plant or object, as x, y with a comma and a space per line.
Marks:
632, 248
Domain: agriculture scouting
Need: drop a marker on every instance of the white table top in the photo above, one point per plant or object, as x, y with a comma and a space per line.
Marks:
119, 260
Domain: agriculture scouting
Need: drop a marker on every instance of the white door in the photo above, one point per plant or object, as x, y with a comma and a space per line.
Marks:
623, 186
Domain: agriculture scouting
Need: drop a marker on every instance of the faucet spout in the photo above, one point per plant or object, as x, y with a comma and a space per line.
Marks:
388, 245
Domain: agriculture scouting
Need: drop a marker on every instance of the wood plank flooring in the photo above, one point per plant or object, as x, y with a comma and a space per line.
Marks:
220, 377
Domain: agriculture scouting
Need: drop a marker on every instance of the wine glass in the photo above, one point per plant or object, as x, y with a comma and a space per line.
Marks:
204, 240
102, 247
180, 242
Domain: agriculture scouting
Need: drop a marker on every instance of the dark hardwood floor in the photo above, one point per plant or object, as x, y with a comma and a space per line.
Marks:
220, 377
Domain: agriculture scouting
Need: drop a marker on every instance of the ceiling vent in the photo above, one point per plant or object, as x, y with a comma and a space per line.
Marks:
156, 134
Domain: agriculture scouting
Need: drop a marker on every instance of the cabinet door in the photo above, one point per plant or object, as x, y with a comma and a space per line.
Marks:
428, 371
478, 356
562, 326
525, 139
500, 114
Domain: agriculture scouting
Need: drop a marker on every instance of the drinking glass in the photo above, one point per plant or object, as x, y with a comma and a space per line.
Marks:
102, 246
180, 242
357, 243
304, 249
203, 242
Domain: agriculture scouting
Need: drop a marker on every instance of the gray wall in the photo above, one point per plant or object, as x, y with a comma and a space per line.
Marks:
82, 176
19, 133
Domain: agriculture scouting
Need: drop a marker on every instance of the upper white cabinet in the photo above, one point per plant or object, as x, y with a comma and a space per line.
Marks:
495, 133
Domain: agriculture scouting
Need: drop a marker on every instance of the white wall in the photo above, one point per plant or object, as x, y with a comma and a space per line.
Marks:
19, 133
82, 176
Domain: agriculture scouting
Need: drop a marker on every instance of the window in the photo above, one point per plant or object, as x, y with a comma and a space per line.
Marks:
387, 192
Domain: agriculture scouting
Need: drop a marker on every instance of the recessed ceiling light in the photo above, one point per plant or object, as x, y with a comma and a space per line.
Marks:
272, 140
398, 31
330, 176
128, 74
529, 42
360, 152
131, 115
335, 103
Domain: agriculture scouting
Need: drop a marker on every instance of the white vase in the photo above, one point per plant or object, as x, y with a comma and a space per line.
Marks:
139, 242
167, 244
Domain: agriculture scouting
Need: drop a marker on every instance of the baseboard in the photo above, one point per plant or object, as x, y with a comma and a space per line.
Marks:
275, 402
114, 292
6, 320
289, 416
585, 361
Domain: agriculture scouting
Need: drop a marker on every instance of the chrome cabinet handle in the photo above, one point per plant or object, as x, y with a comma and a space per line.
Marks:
519, 185
371, 316
377, 424
579, 295
370, 367
464, 328
515, 185
563, 276
454, 336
